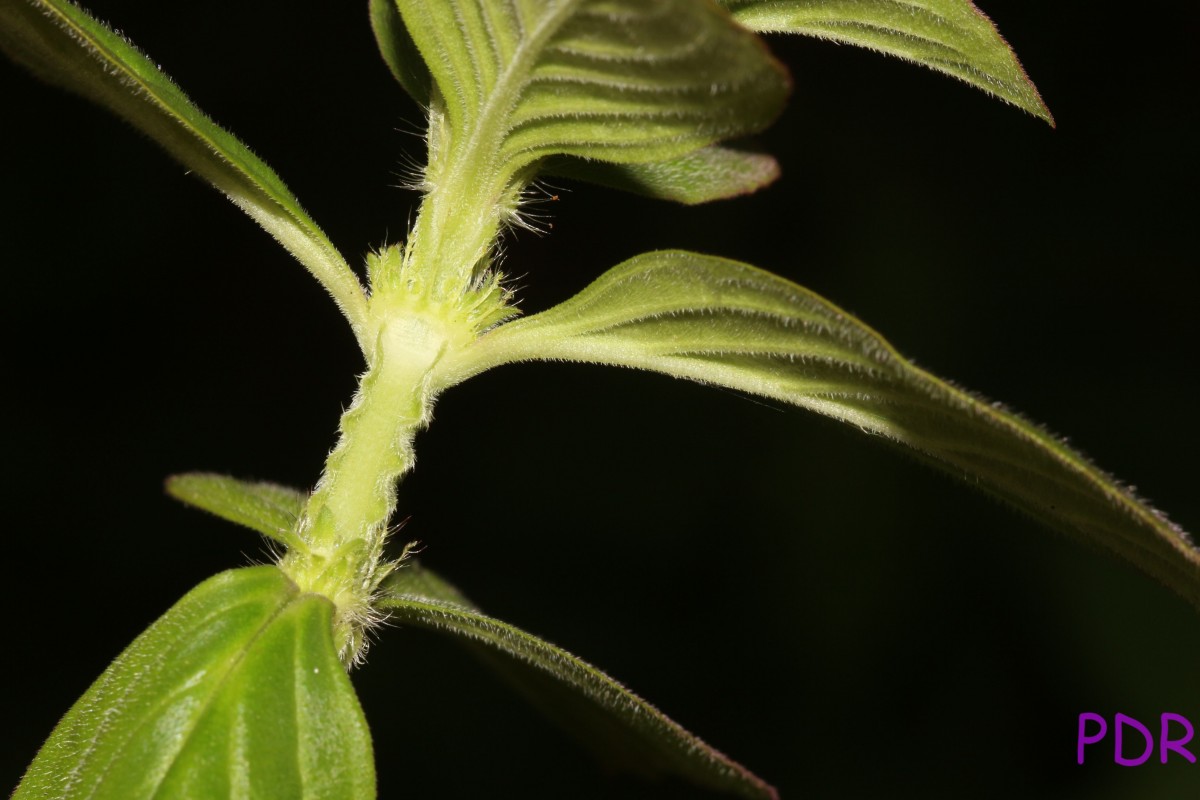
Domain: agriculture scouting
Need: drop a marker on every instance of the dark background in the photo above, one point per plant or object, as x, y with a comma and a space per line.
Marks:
841, 619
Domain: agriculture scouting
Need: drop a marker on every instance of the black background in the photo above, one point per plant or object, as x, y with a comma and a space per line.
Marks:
842, 620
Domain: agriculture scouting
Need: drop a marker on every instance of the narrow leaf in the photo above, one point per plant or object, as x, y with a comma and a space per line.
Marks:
730, 324
64, 45
236, 691
950, 36
710, 173
618, 80
618, 724
268, 508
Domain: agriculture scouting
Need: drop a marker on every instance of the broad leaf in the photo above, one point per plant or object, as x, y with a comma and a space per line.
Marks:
517, 81
235, 692
726, 323
618, 80
951, 36
64, 45
268, 508
710, 173
620, 726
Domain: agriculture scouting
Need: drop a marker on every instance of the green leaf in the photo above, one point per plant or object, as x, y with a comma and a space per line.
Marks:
64, 45
399, 51
268, 508
950, 36
620, 726
710, 173
517, 81
617, 80
726, 323
234, 692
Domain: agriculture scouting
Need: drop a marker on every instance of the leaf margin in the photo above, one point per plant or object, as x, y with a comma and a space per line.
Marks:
263, 506
417, 596
65, 45
874, 29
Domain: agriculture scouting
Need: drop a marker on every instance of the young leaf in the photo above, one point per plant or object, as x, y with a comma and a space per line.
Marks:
517, 81
64, 45
616, 723
951, 36
726, 323
618, 80
268, 508
235, 692
710, 173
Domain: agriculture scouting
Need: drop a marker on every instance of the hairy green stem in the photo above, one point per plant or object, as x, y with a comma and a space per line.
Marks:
345, 523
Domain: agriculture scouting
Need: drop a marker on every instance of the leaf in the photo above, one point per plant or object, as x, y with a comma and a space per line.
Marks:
517, 81
399, 51
235, 692
950, 36
64, 45
268, 508
722, 322
710, 173
618, 80
614, 721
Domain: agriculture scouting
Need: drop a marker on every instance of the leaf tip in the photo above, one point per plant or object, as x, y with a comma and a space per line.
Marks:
1028, 97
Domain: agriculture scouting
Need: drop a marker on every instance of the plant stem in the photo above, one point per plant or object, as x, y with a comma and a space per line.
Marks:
345, 524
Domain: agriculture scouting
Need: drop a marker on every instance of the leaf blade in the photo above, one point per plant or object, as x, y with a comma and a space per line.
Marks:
710, 173
551, 78
722, 322
571, 691
399, 51
235, 691
261, 506
950, 36
66, 46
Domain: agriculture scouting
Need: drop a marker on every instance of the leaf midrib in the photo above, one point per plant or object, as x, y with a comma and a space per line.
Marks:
216, 686
219, 685
491, 128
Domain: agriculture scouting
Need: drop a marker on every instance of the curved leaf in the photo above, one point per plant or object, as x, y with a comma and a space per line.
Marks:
236, 691
726, 323
516, 81
620, 726
64, 45
268, 508
710, 173
620, 80
399, 51
950, 36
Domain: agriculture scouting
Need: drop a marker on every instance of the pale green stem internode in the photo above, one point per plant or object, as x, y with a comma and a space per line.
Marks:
339, 540
345, 523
